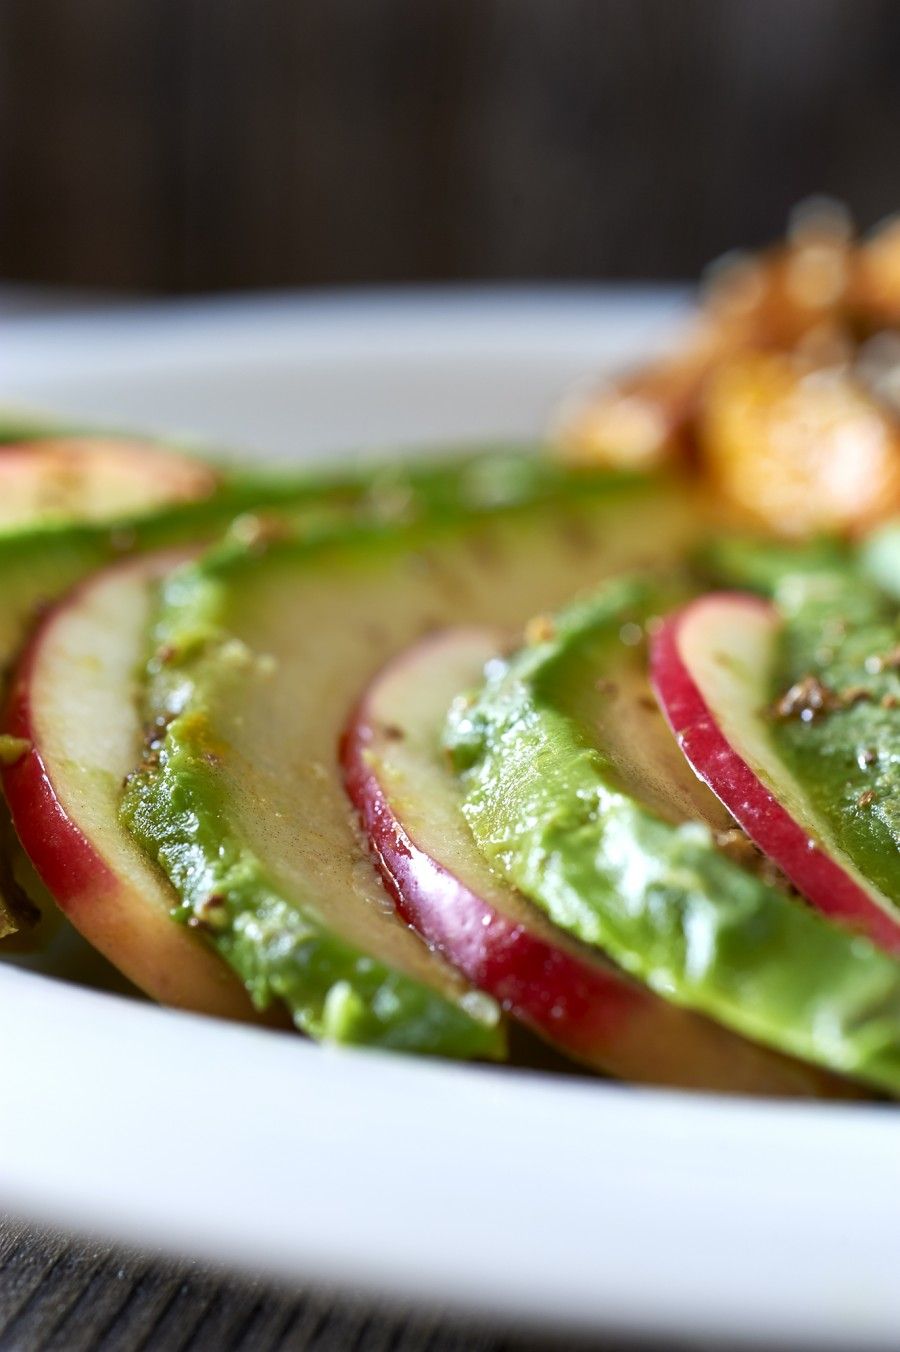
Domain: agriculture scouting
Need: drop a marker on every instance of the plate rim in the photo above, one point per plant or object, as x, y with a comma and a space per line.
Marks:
725, 1260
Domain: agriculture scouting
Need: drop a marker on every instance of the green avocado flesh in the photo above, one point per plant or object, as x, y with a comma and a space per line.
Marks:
570, 807
840, 645
258, 660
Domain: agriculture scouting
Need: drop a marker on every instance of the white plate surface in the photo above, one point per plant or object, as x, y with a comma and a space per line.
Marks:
506, 1193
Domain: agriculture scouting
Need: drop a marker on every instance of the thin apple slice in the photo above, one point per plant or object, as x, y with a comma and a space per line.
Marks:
73, 716
710, 667
408, 803
89, 479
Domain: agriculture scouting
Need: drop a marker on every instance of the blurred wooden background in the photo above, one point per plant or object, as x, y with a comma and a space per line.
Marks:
178, 145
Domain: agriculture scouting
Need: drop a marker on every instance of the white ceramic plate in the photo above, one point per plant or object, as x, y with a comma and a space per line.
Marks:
506, 1193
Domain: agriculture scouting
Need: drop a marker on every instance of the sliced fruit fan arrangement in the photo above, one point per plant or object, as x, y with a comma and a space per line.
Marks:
598, 740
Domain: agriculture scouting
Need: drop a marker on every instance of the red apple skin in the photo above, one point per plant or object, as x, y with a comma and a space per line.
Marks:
815, 873
113, 477
132, 929
567, 1000
587, 1008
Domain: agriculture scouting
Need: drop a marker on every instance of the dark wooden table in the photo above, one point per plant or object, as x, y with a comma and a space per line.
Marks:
60, 1295
183, 145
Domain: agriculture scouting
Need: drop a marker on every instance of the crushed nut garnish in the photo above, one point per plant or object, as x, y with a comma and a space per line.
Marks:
854, 694
807, 699
210, 915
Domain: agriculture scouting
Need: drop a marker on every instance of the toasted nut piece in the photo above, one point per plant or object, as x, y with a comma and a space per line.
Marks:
794, 293
638, 420
876, 275
774, 298
616, 427
802, 451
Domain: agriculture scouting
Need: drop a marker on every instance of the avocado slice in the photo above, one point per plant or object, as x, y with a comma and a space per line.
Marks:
573, 997
583, 809
711, 667
834, 715
258, 656
840, 641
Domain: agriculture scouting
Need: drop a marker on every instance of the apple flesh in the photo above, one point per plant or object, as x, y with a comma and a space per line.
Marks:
575, 999
73, 716
94, 480
710, 663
